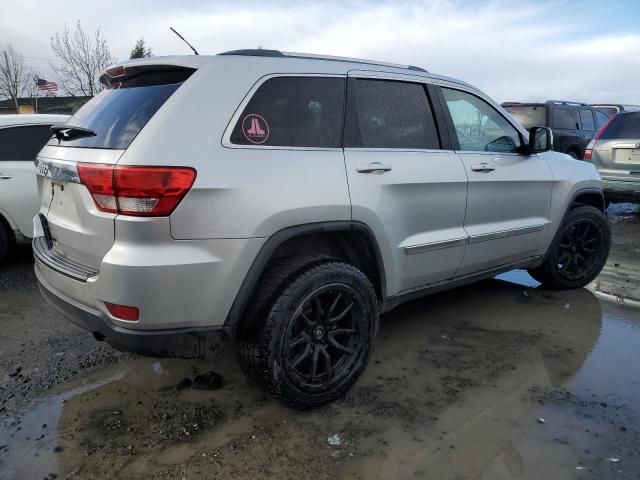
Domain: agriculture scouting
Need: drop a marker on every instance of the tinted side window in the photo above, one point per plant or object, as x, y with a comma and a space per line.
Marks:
294, 112
23, 143
563, 119
478, 126
601, 118
586, 119
390, 114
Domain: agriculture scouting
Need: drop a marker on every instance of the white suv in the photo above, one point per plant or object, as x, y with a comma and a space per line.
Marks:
21, 138
285, 200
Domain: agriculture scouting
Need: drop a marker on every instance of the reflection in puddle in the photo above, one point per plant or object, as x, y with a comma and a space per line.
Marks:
520, 277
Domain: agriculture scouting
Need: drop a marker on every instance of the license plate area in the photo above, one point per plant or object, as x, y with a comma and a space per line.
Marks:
627, 156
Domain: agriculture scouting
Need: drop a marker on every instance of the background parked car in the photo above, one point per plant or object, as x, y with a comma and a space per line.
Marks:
613, 108
615, 151
21, 138
573, 124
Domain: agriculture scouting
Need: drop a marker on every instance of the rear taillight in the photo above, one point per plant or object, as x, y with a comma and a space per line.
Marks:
588, 153
136, 191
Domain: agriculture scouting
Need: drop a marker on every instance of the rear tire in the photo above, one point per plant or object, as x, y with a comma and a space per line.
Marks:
316, 335
573, 154
4, 241
579, 251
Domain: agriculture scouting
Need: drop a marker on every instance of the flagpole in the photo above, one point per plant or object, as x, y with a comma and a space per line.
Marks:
36, 95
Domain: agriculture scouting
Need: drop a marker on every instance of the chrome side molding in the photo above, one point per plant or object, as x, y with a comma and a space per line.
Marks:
457, 242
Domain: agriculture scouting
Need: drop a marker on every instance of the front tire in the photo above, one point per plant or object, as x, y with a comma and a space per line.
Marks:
317, 336
579, 251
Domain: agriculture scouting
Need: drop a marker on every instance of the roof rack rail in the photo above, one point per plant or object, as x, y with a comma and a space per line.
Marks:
259, 52
567, 102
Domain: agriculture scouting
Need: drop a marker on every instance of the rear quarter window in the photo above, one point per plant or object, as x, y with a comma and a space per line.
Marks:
293, 112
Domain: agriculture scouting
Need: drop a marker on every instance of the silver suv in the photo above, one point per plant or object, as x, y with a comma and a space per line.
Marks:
286, 200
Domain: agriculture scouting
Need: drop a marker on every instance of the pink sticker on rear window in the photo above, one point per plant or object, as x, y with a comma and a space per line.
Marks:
255, 128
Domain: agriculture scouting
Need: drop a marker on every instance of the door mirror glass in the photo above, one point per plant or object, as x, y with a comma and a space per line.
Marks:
540, 139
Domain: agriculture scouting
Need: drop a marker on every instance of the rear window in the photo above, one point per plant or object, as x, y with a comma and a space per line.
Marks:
529, 116
623, 125
120, 112
24, 142
293, 112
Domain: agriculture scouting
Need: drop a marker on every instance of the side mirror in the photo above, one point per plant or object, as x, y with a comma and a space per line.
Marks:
540, 140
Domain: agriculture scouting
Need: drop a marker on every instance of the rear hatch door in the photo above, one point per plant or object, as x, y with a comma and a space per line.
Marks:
617, 150
99, 133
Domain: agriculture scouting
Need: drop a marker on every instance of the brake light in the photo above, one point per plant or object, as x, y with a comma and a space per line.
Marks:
136, 191
588, 153
122, 312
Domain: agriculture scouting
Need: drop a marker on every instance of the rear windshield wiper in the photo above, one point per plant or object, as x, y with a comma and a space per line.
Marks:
69, 132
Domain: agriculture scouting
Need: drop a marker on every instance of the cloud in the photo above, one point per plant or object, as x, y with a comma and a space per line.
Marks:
512, 50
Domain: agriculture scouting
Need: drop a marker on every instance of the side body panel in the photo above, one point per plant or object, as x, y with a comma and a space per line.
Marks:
19, 194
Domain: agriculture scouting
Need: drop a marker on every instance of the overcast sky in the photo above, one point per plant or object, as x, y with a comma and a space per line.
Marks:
513, 50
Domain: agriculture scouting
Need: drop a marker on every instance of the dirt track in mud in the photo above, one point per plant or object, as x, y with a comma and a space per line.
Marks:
495, 380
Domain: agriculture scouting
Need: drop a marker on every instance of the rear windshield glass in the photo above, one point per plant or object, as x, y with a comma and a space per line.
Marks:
624, 125
532, 116
120, 112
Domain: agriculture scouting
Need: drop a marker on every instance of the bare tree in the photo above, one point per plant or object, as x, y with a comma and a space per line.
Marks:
15, 75
83, 58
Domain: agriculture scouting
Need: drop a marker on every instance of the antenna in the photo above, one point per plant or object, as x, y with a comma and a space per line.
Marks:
182, 38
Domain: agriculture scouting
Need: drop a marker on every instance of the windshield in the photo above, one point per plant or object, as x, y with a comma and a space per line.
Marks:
529, 116
623, 125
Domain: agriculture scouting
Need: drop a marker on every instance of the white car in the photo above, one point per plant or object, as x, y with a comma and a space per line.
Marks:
21, 138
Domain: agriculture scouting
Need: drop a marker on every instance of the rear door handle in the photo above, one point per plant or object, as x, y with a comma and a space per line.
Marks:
5, 177
483, 167
376, 168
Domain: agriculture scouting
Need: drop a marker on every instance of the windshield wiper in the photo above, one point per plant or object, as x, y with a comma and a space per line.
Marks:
69, 132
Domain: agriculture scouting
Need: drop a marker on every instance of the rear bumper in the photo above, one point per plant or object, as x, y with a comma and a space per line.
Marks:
194, 342
617, 190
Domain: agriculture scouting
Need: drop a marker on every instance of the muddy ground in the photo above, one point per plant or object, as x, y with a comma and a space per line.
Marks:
492, 381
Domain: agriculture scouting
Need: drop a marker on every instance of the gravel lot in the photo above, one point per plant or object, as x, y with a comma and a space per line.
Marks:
492, 381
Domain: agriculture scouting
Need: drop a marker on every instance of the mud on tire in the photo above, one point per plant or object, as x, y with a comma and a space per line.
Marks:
578, 252
316, 333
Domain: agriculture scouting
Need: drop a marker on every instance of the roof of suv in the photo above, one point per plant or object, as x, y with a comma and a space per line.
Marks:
257, 55
31, 119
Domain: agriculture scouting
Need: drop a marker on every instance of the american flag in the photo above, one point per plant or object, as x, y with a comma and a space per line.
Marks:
45, 85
